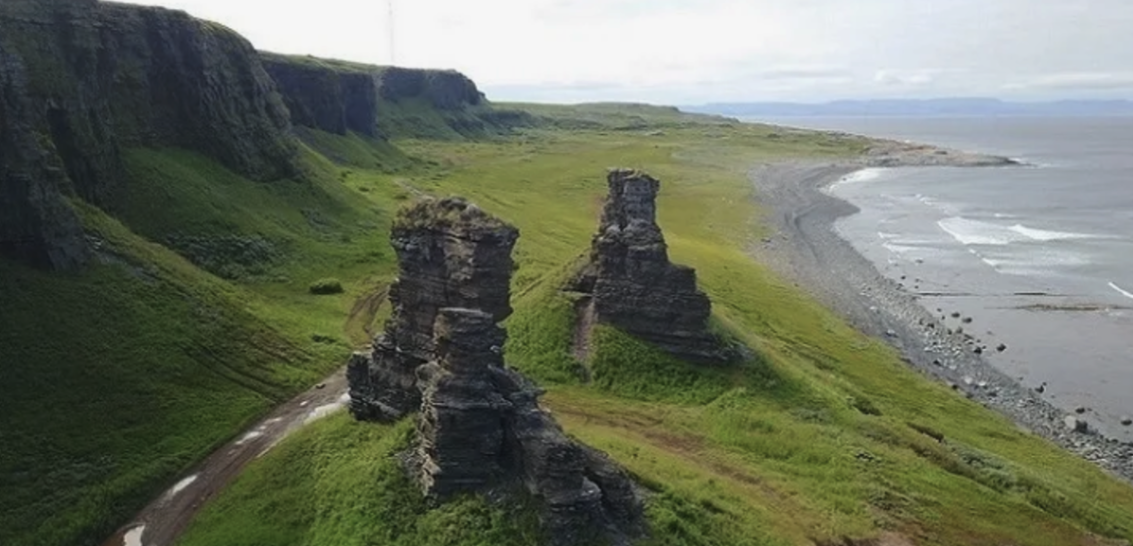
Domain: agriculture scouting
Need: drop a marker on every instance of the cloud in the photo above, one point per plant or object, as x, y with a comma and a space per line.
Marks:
716, 50
905, 78
1077, 81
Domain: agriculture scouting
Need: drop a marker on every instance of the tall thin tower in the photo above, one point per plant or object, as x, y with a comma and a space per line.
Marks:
392, 40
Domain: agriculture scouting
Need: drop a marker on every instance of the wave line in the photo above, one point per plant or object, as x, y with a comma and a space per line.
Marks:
1121, 291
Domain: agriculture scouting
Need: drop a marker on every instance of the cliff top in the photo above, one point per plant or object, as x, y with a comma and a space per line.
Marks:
339, 65
452, 214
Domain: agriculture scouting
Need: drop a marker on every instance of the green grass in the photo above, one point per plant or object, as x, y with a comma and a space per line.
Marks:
199, 318
309, 498
824, 434
116, 379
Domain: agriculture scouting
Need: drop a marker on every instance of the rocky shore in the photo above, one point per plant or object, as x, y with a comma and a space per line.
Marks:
806, 249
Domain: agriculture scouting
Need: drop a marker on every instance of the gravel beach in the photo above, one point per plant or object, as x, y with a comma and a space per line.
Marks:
806, 248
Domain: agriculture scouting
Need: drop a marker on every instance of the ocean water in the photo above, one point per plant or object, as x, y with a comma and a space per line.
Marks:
1040, 258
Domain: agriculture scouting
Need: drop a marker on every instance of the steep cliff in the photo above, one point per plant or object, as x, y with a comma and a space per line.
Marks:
101, 77
386, 102
36, 224
632, 283
332, 97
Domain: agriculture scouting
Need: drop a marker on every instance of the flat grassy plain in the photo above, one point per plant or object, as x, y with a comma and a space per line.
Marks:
823, 436
198, 317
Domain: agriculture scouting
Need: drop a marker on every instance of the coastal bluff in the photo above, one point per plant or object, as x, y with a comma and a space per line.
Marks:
384, 101
84, 80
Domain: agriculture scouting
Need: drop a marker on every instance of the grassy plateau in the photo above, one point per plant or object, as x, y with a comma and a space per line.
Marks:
200, 316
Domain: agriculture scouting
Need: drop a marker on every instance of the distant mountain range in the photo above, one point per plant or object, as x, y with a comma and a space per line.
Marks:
912, 107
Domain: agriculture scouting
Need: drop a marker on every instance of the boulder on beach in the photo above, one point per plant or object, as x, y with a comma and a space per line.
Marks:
1074, 424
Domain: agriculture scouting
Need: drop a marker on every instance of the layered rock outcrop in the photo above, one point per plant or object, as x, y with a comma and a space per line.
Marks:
326, 95
480, 427
100, 77
450, 254
632, 283
384, 101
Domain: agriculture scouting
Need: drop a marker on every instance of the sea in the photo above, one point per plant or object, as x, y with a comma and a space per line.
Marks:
1037, 260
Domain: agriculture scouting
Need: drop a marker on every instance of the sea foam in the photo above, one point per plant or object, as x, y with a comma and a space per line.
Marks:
863, 175
975, 232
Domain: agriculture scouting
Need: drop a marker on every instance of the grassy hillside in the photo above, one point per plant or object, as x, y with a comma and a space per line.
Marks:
823, 436
196, 319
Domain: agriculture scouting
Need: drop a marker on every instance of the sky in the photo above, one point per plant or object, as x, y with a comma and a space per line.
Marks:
694, 52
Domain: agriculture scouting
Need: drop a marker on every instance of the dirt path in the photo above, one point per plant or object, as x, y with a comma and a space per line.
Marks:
165, 519
359, 327
583, 327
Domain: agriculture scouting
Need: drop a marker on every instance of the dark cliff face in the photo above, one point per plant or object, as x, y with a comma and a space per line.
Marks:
633, 284
103, 76
36, 225
443, 89
322, 97
384, 102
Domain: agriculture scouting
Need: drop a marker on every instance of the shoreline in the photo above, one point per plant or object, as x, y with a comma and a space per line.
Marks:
806, 249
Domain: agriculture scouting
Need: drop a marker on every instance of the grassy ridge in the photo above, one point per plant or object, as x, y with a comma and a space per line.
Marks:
824, 435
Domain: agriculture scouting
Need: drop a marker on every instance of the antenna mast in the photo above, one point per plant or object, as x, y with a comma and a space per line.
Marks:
392, 41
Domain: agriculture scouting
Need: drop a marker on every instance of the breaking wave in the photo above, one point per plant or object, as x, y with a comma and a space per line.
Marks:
1121, 291
975, 232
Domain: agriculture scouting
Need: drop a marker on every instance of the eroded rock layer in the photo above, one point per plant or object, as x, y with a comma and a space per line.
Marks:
633, 284
450, 254
384, 101
481, 430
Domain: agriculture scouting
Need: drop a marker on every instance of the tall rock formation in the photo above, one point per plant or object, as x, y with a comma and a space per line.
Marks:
480, 427
481, 430
450, 254
632, 283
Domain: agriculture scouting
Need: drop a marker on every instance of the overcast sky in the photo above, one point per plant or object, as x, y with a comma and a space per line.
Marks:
689, 52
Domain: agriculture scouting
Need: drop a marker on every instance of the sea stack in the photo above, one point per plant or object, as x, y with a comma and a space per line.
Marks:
450, 254
480, 428
631, 282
